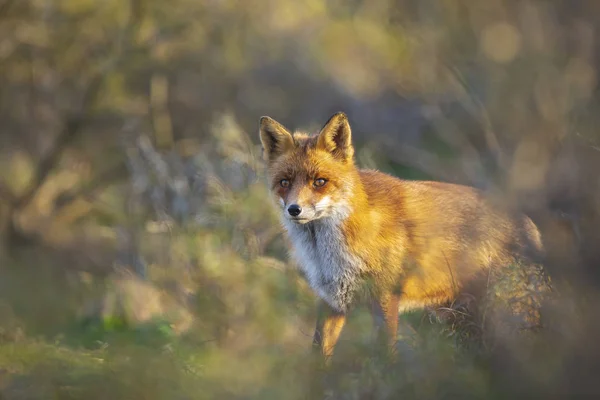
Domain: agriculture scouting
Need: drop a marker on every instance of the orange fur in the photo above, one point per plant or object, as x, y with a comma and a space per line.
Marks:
419, 243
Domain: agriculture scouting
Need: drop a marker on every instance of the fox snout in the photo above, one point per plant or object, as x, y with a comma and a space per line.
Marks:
298, 203
298, 213
303, 212
294, 210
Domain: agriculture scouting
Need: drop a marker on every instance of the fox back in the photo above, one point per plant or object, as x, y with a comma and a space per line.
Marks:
417, 243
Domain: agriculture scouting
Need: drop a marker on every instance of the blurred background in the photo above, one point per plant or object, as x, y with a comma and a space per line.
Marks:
140, 256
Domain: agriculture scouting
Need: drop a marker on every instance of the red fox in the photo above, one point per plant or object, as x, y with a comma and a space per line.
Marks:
418, 243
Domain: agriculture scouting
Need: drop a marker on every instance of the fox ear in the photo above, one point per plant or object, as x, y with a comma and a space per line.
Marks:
275, 139
336, 138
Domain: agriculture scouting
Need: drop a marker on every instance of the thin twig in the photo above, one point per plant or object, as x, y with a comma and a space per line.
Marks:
480, 114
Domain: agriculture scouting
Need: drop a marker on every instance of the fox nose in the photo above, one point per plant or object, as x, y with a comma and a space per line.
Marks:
294, 210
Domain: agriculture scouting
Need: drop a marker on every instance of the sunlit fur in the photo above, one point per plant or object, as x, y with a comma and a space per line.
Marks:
419, 243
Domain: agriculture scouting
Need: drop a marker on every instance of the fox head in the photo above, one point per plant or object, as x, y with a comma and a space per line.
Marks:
311, 177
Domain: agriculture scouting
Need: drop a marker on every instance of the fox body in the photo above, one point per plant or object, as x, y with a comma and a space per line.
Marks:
417, 243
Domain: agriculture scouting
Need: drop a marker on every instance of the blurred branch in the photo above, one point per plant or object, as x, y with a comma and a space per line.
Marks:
161, 118
72, 129
74, 123
88, 191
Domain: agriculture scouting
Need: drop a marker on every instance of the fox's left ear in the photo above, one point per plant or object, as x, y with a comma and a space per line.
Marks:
336, 137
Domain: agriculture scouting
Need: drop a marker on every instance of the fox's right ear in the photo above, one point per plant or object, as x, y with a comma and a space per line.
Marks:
275, 139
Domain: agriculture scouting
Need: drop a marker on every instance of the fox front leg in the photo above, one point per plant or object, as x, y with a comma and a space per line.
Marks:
384, 309
330, 323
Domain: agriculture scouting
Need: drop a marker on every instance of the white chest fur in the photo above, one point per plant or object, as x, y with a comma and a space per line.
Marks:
320, 249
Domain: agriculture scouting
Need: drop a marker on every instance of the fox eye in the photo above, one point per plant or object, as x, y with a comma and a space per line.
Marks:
319, 182
284, 183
